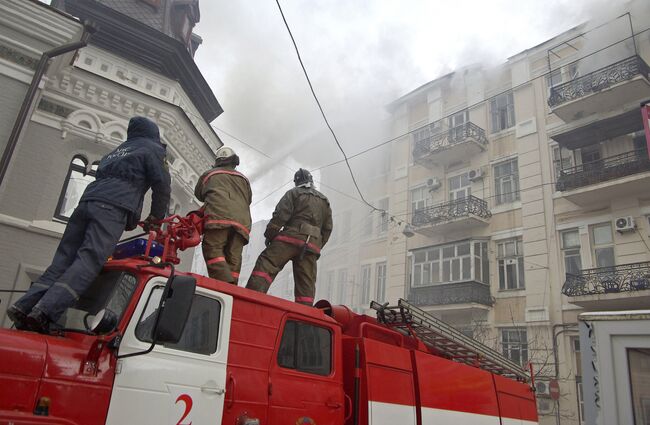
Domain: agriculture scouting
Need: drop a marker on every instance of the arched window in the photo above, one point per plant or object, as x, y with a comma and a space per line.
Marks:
77, 179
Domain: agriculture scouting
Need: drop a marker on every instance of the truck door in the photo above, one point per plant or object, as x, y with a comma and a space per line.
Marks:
306, 384
177, 384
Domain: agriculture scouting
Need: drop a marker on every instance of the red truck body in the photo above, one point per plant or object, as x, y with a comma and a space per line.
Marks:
245, 358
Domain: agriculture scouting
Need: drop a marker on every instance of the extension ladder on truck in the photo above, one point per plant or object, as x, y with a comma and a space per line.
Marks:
443, 338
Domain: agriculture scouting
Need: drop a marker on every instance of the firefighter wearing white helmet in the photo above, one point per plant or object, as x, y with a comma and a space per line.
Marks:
227, 196
299, 229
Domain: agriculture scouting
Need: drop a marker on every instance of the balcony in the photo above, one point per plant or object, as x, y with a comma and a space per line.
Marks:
623, 287
467, 212
448, 146
601, 91
469, 295
617, 176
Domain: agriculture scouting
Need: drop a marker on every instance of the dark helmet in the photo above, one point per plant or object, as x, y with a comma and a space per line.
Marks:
302, 176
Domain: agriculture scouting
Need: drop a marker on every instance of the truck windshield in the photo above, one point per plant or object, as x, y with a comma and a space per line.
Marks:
112, 290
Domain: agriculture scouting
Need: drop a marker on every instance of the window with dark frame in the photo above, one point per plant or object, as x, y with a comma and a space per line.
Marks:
502, 110
514, 343
201, 331
510, 260
306, 348
76, 181
570, 240
603, 244
506, 181
457, 262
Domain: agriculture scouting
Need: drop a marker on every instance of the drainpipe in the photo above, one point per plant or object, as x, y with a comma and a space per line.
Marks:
41, 67
568, 327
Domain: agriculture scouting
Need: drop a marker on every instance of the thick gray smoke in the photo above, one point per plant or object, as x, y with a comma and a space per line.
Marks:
360, 56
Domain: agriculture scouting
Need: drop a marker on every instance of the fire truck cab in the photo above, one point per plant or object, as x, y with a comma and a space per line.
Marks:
147, 345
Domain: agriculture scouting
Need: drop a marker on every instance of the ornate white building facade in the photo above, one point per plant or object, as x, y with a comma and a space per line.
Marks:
137, 63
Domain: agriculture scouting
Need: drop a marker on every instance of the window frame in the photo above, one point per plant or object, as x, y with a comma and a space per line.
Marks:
500, 197
496, 112
561, 162
426, 199
420, 269
64, 189
380, 281
519, 264
161, 285
595, 247
305, 321
569, 251
512, 346
365, 277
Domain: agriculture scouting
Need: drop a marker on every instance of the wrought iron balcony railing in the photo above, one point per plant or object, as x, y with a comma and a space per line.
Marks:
451, 210
598, 80
608, 280
451, 293
442, 139
605, 169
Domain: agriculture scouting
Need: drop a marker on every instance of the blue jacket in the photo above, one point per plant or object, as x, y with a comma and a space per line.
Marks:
126, 174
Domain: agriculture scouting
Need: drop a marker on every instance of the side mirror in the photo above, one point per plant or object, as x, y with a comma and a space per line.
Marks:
176, 309
103, 322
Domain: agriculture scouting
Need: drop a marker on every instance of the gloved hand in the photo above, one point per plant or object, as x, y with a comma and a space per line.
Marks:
151, 223
270, 233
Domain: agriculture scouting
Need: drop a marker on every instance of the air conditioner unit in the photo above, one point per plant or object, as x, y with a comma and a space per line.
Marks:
433, 183
544, 406
476, 174
542, 388
625, 224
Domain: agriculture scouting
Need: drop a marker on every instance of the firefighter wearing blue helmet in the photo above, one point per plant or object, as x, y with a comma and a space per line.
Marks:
108, 206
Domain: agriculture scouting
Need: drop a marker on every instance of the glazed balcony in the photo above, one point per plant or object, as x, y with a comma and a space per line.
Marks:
435, 146
469, 295
617, 176
467, 212
601, 91
626, 287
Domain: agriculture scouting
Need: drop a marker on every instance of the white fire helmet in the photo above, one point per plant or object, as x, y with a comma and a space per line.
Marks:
224, 152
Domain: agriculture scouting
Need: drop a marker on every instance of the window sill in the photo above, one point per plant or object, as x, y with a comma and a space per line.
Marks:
506, 207
510, 293
501, 134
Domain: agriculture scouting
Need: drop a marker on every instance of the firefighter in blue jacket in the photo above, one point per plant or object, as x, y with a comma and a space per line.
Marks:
108, 206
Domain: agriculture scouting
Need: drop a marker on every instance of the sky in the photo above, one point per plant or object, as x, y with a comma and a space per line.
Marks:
360, 55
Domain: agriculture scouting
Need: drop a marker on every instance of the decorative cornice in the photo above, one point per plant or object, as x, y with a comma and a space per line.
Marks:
54, 108
19, 58
39, 22
150, 48
135, 77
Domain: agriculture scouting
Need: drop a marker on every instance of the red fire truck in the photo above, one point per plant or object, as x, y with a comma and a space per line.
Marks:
150, 345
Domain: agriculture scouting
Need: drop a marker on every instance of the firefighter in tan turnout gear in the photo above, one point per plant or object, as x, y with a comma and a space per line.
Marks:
227, 196
300, 227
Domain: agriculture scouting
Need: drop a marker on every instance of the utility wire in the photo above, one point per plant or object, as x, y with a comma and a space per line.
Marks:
468, 107
311, 87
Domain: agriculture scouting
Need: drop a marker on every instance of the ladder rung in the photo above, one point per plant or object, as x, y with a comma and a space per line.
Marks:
446, 339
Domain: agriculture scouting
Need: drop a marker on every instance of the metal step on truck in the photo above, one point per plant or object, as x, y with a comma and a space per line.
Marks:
147, 345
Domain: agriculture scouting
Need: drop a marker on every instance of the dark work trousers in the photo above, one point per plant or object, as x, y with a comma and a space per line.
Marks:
89, 239
273, 259
222, 250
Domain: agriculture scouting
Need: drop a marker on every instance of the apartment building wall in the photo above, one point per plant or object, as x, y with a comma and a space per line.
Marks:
542, 214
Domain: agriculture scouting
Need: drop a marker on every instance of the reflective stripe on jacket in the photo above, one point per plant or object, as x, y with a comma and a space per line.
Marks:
227, 196
303, 213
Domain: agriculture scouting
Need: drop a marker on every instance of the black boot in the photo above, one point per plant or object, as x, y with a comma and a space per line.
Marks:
18, 317
37, 321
